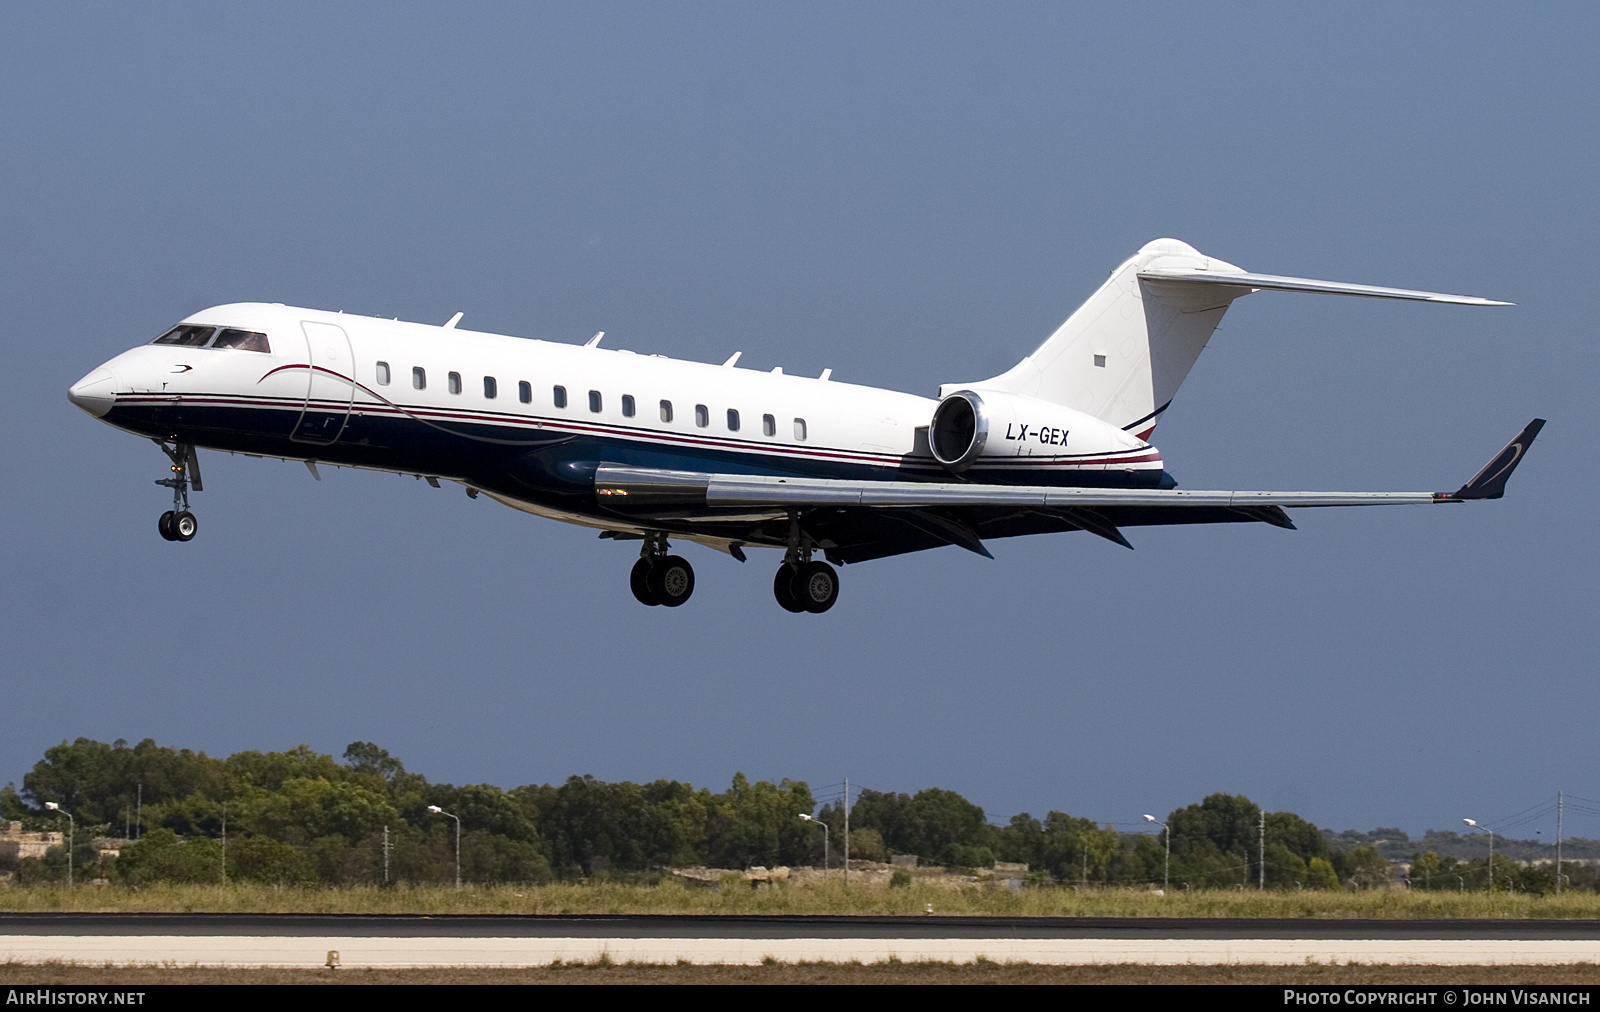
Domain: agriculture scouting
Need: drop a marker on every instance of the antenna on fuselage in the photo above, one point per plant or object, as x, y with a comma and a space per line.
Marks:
732, 359
453, 321
595, 339
826, 373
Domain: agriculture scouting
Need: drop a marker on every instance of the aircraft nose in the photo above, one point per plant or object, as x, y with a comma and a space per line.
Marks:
95, 393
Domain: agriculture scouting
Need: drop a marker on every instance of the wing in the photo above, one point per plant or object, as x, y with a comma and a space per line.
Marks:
857, 520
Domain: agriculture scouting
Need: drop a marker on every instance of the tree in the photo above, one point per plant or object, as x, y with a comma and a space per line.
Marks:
273, 862
365, 757
159, 857
758, 824
932, 824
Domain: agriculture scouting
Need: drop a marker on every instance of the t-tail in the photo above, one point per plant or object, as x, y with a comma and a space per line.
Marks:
1122, 356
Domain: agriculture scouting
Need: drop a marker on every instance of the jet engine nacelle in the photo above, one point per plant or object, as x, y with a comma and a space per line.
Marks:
973, 425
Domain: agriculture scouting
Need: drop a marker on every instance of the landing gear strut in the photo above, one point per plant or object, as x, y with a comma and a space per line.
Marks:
801, 583
178, 524
659, 578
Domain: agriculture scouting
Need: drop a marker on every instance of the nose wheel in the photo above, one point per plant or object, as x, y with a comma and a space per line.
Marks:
659, 578
177, 523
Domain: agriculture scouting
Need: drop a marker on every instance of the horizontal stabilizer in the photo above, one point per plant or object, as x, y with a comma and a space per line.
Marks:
1490, 483
1272, 282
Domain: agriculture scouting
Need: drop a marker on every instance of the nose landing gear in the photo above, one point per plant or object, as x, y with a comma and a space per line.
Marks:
659, 578
178, 524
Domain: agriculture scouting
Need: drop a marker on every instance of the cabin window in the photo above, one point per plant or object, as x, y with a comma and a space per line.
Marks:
733, 420
419, 378
769, 425
187, 335
383, 374
594, 401
800, 429
491, 389
242, 340
453, 381
702, 415
560, 395
627, 405
525, 392
666, 411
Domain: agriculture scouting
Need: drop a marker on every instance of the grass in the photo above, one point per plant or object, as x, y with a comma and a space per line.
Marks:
888, 972
831, 899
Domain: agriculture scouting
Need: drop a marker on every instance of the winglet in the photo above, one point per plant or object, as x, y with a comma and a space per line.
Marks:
1490, 483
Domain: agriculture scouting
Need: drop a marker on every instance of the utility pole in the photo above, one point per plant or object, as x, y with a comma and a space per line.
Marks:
847, 832
1560, 799
224, 843
138, 819
386, 853
1263, 851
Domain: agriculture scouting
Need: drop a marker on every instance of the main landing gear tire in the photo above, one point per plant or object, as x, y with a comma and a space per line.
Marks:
164, 525
639, 583
783, 589
816, 586
810, 586
671, 580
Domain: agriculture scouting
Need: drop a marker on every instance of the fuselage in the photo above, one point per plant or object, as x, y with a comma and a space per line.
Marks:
527, 421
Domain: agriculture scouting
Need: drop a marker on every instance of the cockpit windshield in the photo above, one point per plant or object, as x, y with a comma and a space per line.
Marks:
187, 335
244, 340
191, 336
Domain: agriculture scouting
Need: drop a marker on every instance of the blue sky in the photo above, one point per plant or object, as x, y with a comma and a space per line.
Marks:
908, 194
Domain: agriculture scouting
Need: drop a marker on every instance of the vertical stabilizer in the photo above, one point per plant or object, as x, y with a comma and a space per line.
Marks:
1122, 356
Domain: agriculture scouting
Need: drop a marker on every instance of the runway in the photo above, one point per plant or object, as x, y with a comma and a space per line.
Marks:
398, 942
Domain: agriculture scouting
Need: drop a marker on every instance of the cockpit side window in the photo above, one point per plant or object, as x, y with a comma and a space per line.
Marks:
244, 340
186, 334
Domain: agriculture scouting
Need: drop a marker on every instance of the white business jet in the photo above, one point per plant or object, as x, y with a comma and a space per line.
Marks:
646, 448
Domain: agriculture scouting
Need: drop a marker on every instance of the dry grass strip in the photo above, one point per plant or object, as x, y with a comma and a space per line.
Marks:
888, 972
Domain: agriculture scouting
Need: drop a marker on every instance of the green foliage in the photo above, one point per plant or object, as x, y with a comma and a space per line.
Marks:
488, 857
11, 807
867, 845
1364, 868
298, 816
160, 857
928, 824
758, 823
1320, 874
271, 862
99, 783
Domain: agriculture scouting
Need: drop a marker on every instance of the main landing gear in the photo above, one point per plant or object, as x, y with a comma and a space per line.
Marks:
659, 578
177, 523
804, 584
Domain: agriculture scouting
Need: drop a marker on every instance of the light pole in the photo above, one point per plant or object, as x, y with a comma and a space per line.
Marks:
1167, 862
72, 825
806, 818
1486, 829
435, 809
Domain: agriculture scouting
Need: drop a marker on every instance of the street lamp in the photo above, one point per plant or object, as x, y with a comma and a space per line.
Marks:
806, 818
435, 809
1167, 862
72, 825
1486, 829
